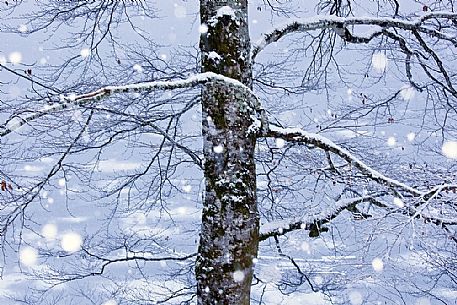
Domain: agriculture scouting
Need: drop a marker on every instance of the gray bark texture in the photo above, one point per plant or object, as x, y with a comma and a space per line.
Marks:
230, 223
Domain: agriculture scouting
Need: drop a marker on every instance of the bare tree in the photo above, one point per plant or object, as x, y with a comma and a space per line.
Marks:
292, 139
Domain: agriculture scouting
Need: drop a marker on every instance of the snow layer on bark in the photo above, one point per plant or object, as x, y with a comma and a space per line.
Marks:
321, 22
284, 224
345, 154
70, 100
225, 11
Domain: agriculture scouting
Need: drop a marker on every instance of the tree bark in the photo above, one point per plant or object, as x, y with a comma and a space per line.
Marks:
230, 224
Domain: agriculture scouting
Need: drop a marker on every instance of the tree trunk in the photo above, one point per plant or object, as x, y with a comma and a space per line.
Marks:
230, 224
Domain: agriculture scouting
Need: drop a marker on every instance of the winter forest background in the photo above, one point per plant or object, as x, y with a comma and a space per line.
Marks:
118, 117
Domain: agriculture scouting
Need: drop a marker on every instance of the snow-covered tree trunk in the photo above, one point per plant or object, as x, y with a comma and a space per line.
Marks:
229, 234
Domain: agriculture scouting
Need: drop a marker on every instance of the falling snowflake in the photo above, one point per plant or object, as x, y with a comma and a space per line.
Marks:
398, 202
110, 302
407, 93
2, 60
71, 242
449, 149
379, 62
49, 231
182, 211
391, 141
85, 53
238, 276
28, 256
72, 97
377, 264
218, 149
411, 136
187, 188
203, 28
280, 143
15, 58
62, 182
138, 68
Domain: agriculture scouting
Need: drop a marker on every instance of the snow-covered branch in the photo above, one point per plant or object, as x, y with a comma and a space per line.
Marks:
313, 222
339, 24
298, 135
71, 100
279, 228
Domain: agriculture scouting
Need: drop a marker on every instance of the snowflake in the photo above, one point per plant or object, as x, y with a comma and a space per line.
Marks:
238, 276
137, 68
15, 58
218, 149
411, 136
377, 264
182, 211
28, 256
62, 182
203, 28
391, 141
280, 143
71, 242
85, 53
379, 62
49, 231
449, 149
407, 93
398, 202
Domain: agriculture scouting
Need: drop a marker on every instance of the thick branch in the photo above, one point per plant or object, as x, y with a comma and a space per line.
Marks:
339, 24
297, 135
67, 101
285, 226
